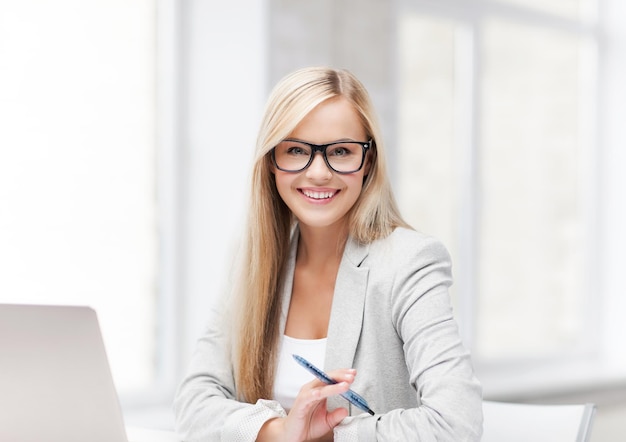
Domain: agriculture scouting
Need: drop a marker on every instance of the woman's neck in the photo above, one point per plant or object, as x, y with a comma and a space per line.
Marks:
321, 247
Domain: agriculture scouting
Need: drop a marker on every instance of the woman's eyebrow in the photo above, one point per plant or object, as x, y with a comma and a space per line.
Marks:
340, 140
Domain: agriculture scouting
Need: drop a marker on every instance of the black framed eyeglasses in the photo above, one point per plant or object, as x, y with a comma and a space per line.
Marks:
340, 156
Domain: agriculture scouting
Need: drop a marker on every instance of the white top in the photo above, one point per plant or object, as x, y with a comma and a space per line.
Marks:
290, 376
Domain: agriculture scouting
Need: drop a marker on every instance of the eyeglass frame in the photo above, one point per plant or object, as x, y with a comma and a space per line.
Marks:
365, 146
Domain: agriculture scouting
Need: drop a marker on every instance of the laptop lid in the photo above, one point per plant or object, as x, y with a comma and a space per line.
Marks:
55, 380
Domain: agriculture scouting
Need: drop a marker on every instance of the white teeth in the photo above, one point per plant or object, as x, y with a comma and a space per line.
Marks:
318, 195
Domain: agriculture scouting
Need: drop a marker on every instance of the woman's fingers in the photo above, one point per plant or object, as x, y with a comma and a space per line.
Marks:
320, 390
336, 416
308, 418
324, 391
340, 375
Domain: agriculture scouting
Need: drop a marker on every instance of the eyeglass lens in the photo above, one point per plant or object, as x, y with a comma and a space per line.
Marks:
342, 157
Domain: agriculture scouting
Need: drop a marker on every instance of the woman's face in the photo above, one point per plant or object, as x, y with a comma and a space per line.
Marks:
318, 196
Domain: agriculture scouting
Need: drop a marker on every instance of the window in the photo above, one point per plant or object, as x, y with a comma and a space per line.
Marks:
78, 214
111, 189
533, 182
496, 137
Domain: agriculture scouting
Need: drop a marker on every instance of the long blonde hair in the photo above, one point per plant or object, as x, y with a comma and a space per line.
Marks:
269, 224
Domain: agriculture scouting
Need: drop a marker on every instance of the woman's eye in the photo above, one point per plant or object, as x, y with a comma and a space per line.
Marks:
339, 151
297, 150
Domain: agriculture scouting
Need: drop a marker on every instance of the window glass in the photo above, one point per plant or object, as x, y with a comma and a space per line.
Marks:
519, 250
427, 182
532, 224
432, 153
77, 157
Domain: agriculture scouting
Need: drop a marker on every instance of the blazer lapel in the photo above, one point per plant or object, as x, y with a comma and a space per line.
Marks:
288, 279
346, 317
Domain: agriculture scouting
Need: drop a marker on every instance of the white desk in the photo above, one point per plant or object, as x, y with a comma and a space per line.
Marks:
145, 435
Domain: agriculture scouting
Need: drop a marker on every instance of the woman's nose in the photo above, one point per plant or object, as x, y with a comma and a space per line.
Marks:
318, 168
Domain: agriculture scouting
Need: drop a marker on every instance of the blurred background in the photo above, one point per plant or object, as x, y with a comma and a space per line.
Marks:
127, 129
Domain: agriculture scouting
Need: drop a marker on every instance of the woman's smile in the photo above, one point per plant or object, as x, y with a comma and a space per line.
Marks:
319, 195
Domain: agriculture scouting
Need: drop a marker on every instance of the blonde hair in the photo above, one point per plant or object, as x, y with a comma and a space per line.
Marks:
269, 224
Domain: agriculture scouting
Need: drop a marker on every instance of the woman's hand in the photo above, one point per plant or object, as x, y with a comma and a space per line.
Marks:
308, 419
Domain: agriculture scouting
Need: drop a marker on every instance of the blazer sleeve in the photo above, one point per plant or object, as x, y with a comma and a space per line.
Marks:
448, 394
205, 405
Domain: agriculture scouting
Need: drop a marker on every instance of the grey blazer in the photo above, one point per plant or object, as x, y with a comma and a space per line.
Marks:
391, 319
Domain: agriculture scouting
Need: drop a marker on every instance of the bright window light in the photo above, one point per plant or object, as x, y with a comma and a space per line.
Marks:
77, 162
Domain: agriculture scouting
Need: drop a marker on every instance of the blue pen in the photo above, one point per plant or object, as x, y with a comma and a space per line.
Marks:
350, 395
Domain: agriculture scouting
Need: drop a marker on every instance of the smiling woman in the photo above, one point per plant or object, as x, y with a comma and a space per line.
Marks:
330, 271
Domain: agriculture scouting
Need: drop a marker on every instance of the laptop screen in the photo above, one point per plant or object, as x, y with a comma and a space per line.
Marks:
55, 381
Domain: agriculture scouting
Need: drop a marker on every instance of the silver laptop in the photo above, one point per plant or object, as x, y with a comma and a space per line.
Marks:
55, 381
